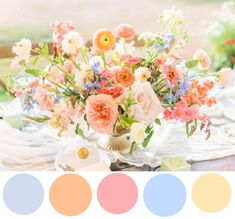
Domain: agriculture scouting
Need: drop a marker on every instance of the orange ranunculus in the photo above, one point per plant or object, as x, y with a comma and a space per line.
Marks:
104, 40
124, 76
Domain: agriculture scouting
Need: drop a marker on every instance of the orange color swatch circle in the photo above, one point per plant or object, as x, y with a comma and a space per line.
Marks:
70, 195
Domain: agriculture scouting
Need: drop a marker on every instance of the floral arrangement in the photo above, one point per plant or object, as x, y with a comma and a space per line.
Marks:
221, 37
116, 87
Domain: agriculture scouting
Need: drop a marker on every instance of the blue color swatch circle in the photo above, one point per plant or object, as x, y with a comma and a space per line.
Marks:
23, 194
164, 195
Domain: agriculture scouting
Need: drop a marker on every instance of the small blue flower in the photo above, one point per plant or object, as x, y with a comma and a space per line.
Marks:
97, 85
95, 67
168, 40
89, 85
158, 46
169, 37
183, 88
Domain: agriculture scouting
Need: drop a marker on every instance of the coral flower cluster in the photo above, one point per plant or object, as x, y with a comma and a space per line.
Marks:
113, 85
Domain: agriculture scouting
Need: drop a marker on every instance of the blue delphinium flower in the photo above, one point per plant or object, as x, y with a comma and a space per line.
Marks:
97, 85
183, 88
157, 46
168, 40
170, 97
95, 67
89, 85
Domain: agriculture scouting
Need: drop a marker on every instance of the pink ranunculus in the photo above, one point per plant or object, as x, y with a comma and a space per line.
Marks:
109, 73
204, 61
56, 75
125, 31
131, 60
147, 106
101, 112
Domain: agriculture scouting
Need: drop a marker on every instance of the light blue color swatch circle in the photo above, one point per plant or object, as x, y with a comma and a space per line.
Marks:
164, 195
23, 194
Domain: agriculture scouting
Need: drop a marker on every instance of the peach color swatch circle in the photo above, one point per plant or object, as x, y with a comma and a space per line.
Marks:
70, 194
211, 192
117, 193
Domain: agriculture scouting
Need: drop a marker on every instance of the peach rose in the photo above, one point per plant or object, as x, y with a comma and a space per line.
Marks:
101, 112
204, 61
148, 106
125, 31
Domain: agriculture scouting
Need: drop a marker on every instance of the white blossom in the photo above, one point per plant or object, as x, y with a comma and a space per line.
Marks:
72, 42
137, 133
22, 49
16, 65
142, 74
172, 15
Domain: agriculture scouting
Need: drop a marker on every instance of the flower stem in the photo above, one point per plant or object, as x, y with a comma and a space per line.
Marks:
104, 60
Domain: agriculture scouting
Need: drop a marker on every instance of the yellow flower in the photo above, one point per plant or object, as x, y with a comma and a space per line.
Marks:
104, 40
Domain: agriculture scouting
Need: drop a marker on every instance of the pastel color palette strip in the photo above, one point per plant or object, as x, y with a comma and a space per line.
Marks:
128, 195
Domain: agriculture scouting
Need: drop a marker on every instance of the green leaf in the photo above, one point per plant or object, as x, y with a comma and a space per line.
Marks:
34, 72
149, 129
127, 121
35, 60
147, 139
134, 147
158, 121
79, 131
191, 63
39, 120
191, 127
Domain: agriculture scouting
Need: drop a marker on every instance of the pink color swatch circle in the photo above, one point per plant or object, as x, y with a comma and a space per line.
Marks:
117, 193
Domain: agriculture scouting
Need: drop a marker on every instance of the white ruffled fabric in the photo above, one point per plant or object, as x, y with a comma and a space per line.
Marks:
25, 151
